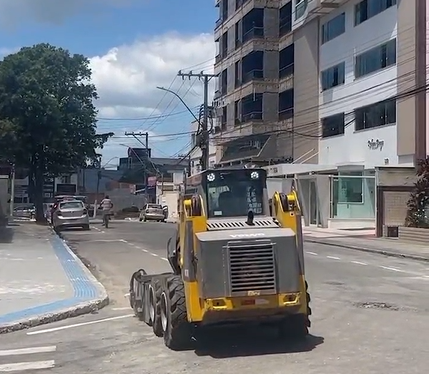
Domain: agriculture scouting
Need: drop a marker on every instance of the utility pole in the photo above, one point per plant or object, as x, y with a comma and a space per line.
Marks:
135, 135
205, 139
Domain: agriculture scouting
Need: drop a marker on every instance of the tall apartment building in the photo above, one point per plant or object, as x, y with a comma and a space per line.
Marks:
256, 89
360, 79
370, 67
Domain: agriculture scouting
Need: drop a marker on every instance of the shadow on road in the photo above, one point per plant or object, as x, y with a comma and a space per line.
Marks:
242, 343
6, 234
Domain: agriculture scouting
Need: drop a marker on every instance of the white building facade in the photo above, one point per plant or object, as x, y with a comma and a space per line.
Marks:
358, 79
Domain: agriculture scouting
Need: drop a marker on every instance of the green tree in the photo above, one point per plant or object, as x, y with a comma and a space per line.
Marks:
418, 204
47, 114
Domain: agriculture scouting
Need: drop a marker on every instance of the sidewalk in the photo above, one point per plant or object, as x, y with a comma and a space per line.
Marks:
42, 280
366, 242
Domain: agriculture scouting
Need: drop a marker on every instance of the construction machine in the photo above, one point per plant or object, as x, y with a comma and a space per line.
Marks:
231, 260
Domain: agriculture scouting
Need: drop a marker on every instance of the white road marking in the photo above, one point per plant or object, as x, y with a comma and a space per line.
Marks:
392, 269
145, 250
27, 351
154, 255
333, 258
127, 294
21, 366
359, 263
54, 329
312, 253
122, 308
163, 258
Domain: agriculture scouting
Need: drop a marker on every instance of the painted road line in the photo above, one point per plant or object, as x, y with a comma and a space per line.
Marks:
122, 308
359, 263
333, 258
27, 351
312, 253
392, 269
22, 366
54, 329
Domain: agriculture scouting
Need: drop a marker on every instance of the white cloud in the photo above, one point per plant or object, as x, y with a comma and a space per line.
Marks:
126, 77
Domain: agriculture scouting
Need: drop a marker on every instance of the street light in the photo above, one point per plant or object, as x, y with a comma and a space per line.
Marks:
177, 95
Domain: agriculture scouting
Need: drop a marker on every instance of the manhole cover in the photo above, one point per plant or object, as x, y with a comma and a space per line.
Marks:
376, 305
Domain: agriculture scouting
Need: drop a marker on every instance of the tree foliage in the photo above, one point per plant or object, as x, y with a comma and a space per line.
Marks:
47, 113
418, 204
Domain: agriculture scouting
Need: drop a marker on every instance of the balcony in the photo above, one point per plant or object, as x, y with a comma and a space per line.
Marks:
306, 10
253, 33
240, 3
252, 75
251, 108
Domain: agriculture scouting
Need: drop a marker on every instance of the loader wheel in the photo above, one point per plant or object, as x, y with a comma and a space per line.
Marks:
155, 307
294, 327
177, 330
307, 294
134, 285
284, 202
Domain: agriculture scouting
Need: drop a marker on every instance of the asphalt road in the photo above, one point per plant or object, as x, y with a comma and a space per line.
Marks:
371, 315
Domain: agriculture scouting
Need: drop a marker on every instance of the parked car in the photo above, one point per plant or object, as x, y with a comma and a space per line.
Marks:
152, 212
70, 213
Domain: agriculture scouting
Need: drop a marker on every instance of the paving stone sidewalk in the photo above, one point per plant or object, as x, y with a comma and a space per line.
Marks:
385, 246
42, 280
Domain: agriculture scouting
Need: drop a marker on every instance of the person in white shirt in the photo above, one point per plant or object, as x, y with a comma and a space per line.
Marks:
106, 205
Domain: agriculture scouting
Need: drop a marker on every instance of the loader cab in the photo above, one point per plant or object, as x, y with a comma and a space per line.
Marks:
227, 193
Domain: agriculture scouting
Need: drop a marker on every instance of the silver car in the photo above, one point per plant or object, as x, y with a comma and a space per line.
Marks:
152, 212
70, 213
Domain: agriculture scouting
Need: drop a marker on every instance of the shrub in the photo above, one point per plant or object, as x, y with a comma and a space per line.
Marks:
418, 204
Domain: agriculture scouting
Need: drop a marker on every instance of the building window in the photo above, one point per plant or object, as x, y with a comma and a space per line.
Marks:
375, 59
333, 125
286, 103
286, 61
333, 76
367, 9
300, 8
285, 19
375, 115
333, 28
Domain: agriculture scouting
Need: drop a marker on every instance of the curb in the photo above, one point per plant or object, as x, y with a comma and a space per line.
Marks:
370, 250
89, 294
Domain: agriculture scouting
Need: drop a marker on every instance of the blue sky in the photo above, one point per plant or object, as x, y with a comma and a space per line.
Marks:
134, 46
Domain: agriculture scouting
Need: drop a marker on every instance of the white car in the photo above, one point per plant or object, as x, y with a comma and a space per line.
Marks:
70, 214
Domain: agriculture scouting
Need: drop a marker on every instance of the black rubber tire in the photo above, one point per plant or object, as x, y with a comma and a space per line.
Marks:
284, 202
156, 324
140, 219
309, 311
294, 327
133, 302
178, 333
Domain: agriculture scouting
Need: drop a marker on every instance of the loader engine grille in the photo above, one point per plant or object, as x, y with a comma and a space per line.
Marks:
252, 267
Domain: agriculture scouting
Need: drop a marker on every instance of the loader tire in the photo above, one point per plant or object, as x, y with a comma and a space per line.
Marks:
134, 284
156, 305
177, 331
309, 311
294, 327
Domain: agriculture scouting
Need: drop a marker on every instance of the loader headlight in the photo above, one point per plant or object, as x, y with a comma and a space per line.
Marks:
211, 177
254, 175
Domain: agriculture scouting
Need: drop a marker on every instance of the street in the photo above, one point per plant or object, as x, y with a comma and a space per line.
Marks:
370, 315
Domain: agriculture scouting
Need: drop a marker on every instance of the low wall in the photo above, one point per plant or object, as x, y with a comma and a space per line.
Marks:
413, 234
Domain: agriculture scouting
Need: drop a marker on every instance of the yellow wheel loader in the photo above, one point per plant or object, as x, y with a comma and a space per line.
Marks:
232, 261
